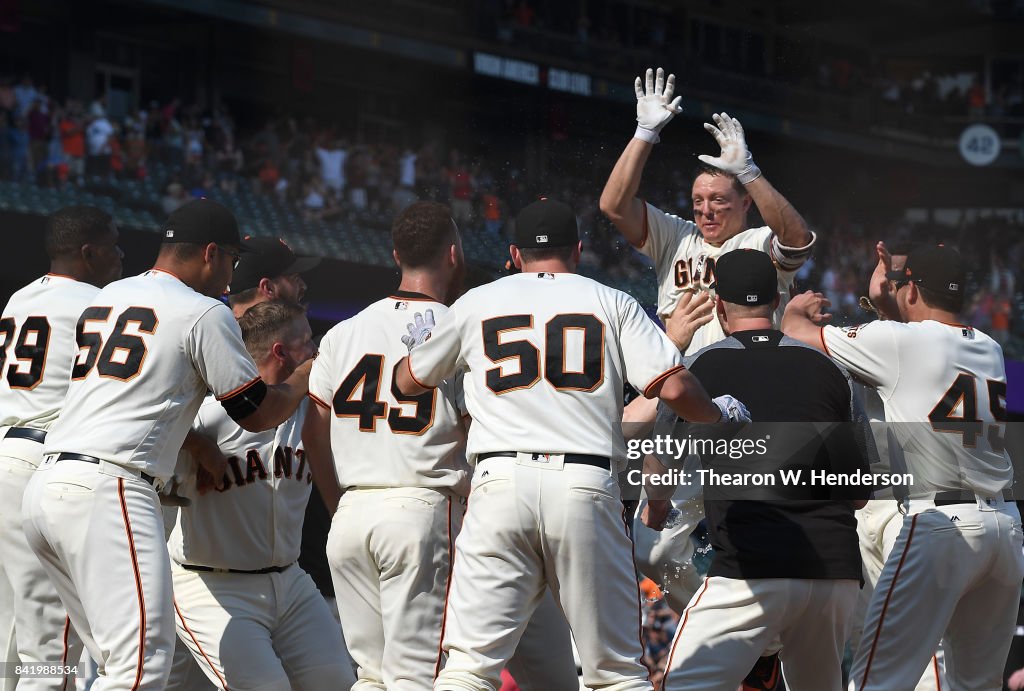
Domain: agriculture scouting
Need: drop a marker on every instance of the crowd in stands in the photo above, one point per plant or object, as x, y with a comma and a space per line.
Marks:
609, 36
325, 174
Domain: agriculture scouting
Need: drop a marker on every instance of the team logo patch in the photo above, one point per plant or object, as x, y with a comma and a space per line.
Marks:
542, 238
851, 331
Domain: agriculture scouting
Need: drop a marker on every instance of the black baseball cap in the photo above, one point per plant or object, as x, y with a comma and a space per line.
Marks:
546, 223
936, 268
746, 277
267, 258
201, 222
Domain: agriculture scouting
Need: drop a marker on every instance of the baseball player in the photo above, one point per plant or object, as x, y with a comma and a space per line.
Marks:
955, 570
38, 344
37, 347
786, 564
251, 617
268, 271
401, 462
880, 521
684, 255
546, 353
150, 347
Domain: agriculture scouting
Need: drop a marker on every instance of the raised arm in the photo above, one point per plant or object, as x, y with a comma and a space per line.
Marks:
804, 318
735, 158
654, 108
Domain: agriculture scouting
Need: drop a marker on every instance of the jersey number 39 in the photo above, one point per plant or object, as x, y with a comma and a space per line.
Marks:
30, 349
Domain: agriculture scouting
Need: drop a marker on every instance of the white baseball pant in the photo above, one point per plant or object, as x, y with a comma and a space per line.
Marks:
878, 525
666, 557
530, 526
260, 632
37, 620
186, 674
954, 574
8, 647
35, 616
98, 531
730, 623
390, 547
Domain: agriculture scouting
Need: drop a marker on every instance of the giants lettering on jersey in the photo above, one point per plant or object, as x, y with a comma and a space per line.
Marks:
285, 460
688, 274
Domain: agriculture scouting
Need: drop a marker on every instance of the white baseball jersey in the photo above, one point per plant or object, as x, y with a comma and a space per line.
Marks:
547, 355
256, 520
37, 348
380, 438
149, 348
943, 387
684, 261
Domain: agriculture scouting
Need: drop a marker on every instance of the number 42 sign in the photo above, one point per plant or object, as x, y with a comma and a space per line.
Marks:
980, 145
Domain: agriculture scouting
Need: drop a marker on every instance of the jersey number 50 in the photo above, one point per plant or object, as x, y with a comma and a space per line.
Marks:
122, 355
587, 378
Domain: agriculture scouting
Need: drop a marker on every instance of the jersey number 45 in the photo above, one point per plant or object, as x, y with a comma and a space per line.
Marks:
368, 407
963, 395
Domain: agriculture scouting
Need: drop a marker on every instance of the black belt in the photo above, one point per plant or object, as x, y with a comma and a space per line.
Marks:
26, 433
210, 569
584, 458
92, 459
955, 497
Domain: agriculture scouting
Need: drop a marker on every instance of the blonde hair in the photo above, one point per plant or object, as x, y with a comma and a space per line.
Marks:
267, 322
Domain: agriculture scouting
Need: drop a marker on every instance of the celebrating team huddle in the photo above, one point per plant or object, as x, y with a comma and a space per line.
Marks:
158, 452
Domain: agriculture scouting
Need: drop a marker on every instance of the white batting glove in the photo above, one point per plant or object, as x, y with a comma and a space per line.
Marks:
655, 105
732, 409
419, 329
735, 157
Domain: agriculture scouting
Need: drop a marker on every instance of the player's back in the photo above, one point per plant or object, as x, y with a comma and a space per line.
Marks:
141, 372
37, 347
548, 354
379, 437
948, 407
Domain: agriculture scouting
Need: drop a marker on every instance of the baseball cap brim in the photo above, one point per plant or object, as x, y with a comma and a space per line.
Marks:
302, 264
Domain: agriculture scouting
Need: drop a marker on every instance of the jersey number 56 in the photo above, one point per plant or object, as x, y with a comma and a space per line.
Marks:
122, 355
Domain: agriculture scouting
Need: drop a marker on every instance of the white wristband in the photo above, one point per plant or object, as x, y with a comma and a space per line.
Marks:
750, 172
646, 135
